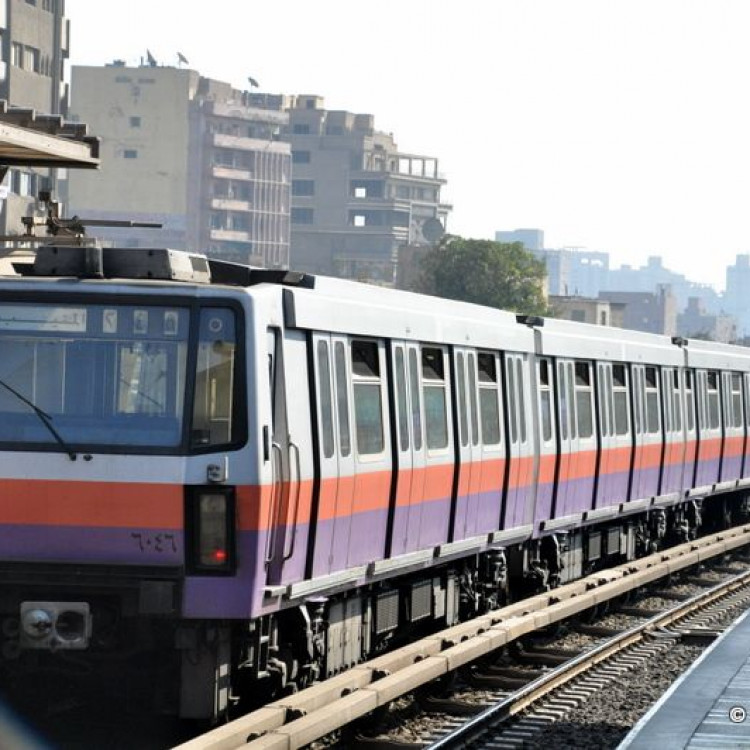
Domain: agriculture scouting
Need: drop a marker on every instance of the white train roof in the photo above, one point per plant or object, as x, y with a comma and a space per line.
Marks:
565, 338
349, 307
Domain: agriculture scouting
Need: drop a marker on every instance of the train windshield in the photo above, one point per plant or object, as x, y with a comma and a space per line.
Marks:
109, 375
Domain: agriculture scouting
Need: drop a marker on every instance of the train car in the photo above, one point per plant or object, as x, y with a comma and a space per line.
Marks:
219, 483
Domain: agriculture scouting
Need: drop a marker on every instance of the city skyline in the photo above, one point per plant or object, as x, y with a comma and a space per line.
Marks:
614, 128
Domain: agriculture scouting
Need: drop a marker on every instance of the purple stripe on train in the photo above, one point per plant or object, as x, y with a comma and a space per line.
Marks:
91, 544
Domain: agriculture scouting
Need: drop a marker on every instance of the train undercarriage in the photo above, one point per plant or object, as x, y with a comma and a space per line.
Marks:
209, 669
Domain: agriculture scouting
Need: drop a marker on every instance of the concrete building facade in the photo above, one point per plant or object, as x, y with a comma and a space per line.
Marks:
696, 321
646, 311
188, 152
595, 311
34, 51
357, 201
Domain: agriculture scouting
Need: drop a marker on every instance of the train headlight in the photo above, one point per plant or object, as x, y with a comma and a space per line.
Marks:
37, 624
212, 534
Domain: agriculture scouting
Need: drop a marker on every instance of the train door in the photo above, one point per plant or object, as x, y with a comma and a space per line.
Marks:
709, 428
438, 439
575, 477
373, 460
734, 430
691, 430
606, 491
545, 373
409, 472
334, 459
746, 400
519, 494
674, 441
648, 449
291, 492
492, 439
468, 450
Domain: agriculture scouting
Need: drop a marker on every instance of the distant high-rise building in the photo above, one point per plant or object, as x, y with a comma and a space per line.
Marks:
32, 74
737, 296
194, 154
532, 239
357, 201
575, 272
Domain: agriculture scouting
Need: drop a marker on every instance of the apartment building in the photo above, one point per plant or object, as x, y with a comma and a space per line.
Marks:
33, 54
358, 202
190, 153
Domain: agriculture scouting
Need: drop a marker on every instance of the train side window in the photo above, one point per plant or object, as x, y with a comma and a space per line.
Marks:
512, 401
488, 398
676, 405
416, 406
403, 424
666, 379
563, 401
638, 400
434, 395
473, 400
652, 400
689, 402
609, 392
601, 395
572, 401
737, 399
712, 397
521, 399
214, 400
545, 400
326, 406
342, 399
620, 396
461, 381
368, 403
583, 399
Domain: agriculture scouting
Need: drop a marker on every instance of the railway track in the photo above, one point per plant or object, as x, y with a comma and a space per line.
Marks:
552, 697
303, 718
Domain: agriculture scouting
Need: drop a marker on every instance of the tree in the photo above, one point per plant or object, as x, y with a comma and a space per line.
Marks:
496, 274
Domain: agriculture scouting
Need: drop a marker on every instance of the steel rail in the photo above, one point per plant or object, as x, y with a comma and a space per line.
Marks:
298, 720
544, 685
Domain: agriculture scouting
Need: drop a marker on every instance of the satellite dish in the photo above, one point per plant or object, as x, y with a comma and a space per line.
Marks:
433, 230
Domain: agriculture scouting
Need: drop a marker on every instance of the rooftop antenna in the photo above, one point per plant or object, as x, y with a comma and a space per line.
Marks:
253, 83
181, 59
151, 59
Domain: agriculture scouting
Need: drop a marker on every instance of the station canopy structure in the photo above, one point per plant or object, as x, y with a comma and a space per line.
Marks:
28, 139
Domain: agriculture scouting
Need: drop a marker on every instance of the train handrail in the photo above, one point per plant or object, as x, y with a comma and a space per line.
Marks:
295, 517
278, 484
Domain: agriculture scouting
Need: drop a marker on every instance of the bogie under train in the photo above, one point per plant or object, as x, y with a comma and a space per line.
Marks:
219, 484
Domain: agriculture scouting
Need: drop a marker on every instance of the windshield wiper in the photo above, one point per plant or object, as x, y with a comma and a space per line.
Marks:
44, 418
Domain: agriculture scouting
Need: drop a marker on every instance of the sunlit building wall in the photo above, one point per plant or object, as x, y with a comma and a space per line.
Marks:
190, 153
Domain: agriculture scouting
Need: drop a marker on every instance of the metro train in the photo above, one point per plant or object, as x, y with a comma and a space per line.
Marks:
220, 484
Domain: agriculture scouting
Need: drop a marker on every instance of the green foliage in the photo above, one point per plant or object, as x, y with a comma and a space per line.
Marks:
502, 275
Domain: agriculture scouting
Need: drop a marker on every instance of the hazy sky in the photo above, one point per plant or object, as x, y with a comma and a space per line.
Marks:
617, 126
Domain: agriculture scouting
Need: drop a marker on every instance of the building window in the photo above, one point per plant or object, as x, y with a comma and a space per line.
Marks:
300, 157
301, 129
303, 187
302, 216
135, 122
130, 153
16, 54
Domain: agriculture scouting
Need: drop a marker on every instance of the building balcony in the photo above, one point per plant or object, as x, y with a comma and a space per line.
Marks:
229, 235
223, 172
244, 143
231, 204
